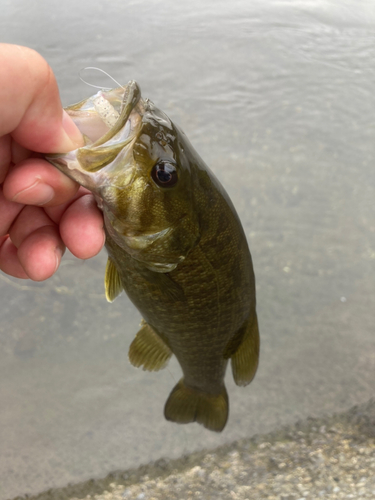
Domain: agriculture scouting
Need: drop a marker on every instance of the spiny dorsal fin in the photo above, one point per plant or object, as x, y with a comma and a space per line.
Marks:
149, 350
245, 359
112, 281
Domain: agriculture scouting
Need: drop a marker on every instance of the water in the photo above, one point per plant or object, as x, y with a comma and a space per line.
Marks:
278, 98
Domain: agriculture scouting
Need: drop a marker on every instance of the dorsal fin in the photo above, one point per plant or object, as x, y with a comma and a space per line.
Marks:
246, 354
112, 281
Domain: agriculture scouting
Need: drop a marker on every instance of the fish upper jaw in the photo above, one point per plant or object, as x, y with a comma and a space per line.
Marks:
94, 165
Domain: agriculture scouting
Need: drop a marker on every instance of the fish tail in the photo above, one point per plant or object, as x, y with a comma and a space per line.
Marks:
186, 404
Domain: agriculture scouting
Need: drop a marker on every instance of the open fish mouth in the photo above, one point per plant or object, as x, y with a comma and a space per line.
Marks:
109, 124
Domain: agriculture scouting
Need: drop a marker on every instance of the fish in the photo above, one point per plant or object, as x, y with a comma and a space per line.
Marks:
175, 245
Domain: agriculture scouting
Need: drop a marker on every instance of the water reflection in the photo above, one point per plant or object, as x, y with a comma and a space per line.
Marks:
277, 97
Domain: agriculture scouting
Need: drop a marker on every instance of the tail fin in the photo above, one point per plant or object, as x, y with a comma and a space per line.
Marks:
186, 404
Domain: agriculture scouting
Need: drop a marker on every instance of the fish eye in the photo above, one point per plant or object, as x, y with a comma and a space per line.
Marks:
164, 174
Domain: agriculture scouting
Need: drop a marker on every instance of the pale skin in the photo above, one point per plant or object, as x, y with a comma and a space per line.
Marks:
42, 212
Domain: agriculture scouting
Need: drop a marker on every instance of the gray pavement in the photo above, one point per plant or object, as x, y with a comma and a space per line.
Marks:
331, 458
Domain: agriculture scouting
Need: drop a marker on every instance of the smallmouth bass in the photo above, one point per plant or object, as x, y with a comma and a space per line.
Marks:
175, 245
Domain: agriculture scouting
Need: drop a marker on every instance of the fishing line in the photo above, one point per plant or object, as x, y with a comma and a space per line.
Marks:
96, 86
172, 376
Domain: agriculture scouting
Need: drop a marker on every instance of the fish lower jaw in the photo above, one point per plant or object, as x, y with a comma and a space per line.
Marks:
72, 169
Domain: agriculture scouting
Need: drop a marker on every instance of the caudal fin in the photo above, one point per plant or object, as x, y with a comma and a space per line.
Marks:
186, 404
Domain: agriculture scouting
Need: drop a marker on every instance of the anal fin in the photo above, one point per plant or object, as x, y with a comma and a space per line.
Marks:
186, 404
149, 350
112, 281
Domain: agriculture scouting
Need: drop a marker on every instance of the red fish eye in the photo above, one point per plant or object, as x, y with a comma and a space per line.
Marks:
164, 174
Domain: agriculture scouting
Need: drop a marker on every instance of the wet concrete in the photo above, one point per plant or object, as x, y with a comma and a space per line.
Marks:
331, 457
278, 99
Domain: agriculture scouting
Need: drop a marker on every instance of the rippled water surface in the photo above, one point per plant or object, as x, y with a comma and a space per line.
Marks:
278, 98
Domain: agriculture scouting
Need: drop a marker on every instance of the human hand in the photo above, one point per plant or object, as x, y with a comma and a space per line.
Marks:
41, 210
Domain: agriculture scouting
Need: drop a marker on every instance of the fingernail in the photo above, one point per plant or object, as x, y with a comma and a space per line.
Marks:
36, 194
58, 254
73, 137
104, 238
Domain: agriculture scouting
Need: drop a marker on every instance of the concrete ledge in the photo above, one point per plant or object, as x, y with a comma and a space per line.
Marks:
330, 458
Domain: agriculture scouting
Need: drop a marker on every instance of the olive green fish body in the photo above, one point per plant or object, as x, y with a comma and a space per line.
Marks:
200, 305
177, 247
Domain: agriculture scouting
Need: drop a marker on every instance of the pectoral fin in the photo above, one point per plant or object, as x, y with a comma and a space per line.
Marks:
244, 352
112, 281
149, 350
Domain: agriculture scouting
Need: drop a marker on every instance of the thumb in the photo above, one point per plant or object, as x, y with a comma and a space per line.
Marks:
30, 106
